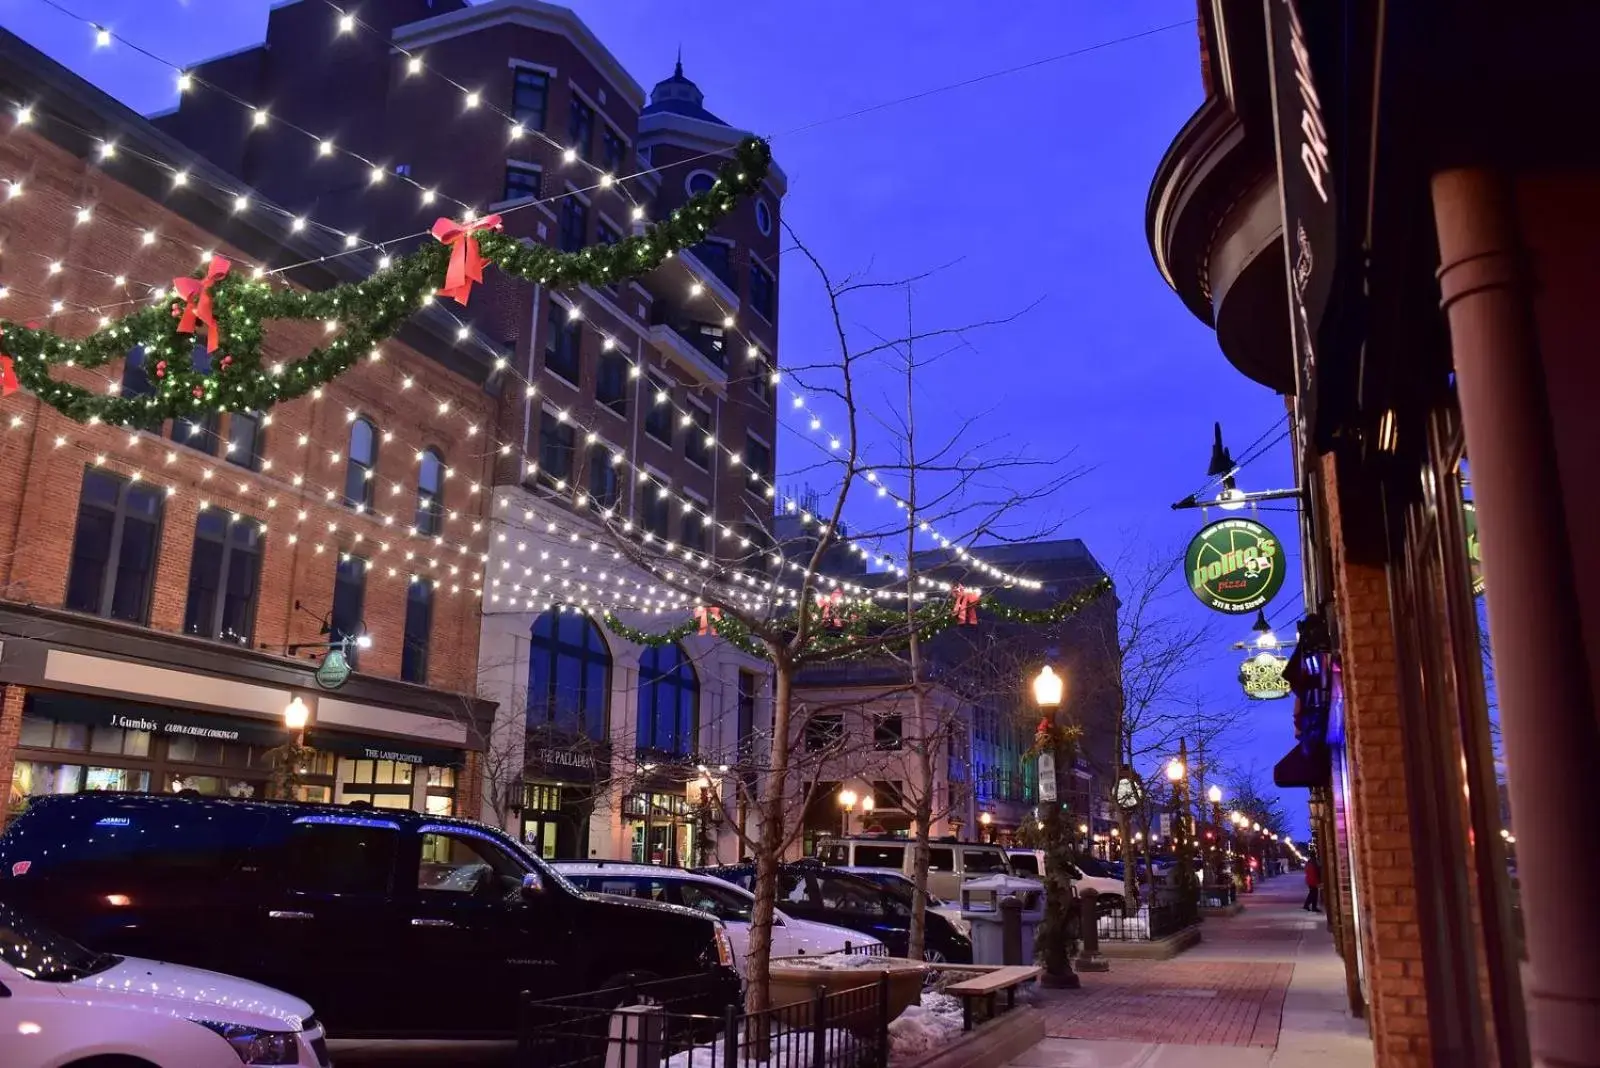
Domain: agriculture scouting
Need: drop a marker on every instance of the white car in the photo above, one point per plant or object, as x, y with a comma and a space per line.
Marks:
1087, 873
729, 903
62, 1005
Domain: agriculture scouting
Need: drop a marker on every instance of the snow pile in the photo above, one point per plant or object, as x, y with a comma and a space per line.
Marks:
834, 962
790, 1049
925, 1027
1126, 927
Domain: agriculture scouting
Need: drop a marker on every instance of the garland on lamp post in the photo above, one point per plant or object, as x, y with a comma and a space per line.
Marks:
234, 309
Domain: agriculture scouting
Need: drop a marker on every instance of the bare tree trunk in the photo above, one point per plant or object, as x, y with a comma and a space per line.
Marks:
924, 813
769, 849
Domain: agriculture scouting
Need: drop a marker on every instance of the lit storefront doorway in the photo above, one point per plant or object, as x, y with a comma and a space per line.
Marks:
661, 829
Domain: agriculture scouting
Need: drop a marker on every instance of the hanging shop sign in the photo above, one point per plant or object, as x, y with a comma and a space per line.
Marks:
1469, 519
334, 671
1262, 677
1235, 565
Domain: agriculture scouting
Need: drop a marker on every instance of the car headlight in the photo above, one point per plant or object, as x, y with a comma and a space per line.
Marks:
255, 1046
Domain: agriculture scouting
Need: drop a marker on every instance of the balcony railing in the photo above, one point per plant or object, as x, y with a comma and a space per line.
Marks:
705, 338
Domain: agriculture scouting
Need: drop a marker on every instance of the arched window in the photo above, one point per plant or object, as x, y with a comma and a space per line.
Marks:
430, 492
669, 701
362, 465
569, 675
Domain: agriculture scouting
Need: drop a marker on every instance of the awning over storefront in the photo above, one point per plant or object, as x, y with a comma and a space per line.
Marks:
405, 752
172, 722
1303, 770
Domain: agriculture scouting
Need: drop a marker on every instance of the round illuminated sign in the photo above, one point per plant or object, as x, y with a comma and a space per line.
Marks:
1235, 565
334, 670
1262, 677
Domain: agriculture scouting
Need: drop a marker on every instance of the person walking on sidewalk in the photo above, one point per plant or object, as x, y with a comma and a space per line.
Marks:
1313, 884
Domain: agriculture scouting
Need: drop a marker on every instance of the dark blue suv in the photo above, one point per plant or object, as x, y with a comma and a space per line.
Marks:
391, 923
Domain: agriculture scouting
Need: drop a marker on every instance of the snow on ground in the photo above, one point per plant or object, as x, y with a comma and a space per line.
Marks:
835, 961
1136, 925
924, 1028
791, 1049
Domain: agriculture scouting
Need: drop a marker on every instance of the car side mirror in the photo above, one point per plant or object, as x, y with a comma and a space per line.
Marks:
777, 919
532, 886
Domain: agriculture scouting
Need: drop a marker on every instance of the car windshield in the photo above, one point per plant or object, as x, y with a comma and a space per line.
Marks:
1095, 867
39, 953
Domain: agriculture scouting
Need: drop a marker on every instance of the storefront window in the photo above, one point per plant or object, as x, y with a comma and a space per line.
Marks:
380, 783
441, 791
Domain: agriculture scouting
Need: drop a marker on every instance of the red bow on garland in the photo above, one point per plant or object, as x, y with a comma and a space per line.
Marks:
8, 376
965, 606
831, 608
196, 294
704, 615
466, 262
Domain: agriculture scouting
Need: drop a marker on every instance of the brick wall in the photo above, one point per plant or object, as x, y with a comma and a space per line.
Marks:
1382, 829
305, 446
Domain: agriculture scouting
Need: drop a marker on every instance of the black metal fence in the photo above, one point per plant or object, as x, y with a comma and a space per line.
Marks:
644, 1025
1166, 916
857, 949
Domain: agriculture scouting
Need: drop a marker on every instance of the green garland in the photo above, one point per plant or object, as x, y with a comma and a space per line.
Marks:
363, 313
862, 621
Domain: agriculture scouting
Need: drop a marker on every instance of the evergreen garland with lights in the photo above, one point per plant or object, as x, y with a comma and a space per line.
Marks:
363, 313
862, 621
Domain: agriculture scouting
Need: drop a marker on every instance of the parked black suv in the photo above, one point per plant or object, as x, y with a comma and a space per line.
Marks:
390, 922
811, 891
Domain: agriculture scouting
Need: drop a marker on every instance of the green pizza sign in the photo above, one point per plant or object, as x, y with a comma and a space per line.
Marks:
1235, 565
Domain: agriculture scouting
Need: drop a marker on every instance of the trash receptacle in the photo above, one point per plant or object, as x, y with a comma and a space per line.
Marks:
980, 907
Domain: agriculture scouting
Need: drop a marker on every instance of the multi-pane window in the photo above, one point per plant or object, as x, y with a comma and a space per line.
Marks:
135, 376
430, 492
569, 675
114, 547
749, 686
574, 224
763, 291
613, 150
654, 514
758, 464
824, 732
224, 574
580, 127
699, 441
419, 625
522, 182
669, 701
563, 341
349, 601
888, 732
530, 97
658, 416
557, 445
718, 259
199, 430
611, 382
761, 387
696, 532
362, 464
603, 479
244, 439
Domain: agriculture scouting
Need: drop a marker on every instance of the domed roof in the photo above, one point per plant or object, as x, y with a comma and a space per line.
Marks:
679, 96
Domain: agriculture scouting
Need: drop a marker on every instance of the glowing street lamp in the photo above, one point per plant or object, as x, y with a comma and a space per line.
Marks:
847, 801
1175, 770
1048, 688
296, 715
1214, 795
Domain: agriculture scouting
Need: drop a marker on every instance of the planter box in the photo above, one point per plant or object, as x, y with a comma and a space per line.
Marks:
796, 983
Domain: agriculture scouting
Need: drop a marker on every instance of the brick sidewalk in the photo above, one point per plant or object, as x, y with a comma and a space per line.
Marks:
1263, 989
1174, 1001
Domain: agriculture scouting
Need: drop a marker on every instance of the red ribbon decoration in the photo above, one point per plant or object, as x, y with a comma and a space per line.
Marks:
196, 294
831, 608
966, 606
466, 262
705, 615
8, 375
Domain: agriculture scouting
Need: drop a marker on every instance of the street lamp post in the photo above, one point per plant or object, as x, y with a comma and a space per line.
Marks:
288, 757
1048, 690
847, 801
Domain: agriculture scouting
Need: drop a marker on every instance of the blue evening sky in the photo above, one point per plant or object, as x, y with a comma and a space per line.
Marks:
1028, 190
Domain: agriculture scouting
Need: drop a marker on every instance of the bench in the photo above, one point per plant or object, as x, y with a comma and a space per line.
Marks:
986, 986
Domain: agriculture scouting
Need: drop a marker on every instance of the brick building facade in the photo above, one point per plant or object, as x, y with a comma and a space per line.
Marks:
164, 576
1384, 217
653, 399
